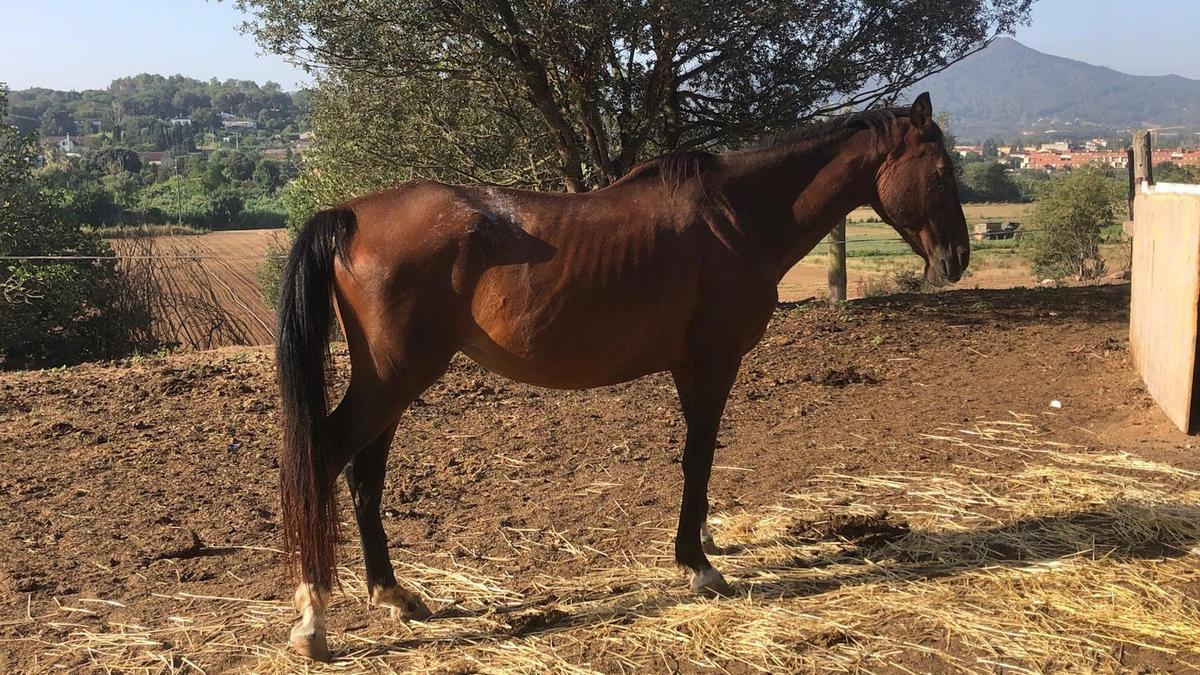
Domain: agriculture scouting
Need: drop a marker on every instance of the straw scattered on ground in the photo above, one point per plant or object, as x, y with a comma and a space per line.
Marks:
1071, 564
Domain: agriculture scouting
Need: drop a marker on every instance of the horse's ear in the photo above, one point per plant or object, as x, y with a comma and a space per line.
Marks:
921, 112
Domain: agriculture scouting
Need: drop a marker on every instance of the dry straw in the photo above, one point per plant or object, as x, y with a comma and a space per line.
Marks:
1081, 562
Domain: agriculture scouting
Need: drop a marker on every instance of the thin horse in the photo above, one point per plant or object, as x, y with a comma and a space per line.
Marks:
672, 268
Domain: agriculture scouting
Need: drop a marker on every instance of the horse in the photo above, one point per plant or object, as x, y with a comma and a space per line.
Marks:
673, 268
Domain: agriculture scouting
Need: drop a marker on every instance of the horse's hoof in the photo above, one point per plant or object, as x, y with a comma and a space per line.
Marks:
711, 584
710, 547
309, 644
418, 612
405, 606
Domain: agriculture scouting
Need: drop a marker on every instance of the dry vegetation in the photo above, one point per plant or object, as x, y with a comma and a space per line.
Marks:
1063, 565
881, 509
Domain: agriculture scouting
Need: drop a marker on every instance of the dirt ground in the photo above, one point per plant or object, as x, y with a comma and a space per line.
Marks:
134, 492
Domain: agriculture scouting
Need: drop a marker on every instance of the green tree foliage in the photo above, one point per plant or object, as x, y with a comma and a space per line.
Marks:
224, 207
988, 182
990, 150
268, 176
53, 312
1166, 172
1068, 221
114, 160
1032, 183
610, 82
136, 112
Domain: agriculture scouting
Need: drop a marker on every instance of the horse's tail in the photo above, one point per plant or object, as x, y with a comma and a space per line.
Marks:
308, 508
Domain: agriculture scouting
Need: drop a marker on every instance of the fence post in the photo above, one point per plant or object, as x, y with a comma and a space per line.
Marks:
837, 263
1141, 165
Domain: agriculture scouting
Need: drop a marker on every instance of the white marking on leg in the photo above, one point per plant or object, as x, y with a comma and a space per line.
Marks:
308, 635
705, 536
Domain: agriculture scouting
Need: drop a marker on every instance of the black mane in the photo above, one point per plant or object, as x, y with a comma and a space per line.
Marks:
824, 130
676, 168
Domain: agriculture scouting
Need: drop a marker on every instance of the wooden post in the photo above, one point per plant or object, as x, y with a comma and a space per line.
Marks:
837, 263
1141, 165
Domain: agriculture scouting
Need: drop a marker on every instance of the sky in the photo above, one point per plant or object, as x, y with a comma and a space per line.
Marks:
83, 44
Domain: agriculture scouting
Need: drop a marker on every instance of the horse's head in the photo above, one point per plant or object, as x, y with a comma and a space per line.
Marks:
916, 193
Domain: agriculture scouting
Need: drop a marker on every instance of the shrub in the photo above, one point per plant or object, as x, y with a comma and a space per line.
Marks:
224, 208
875, 285
54, 311
1067, 224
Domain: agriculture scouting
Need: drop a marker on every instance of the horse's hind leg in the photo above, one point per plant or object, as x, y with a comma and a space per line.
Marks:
367, 415
364, 476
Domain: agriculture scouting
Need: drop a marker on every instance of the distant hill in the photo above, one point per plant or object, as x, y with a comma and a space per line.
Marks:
154, 112
1009, 88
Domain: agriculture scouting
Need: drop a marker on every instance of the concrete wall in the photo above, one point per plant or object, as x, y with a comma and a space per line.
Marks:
1166, 288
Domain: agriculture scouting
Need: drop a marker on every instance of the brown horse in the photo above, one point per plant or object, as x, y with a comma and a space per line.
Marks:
673, 268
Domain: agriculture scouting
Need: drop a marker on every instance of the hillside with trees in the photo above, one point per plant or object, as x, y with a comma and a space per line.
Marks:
1009, 88
154, 150
153, 112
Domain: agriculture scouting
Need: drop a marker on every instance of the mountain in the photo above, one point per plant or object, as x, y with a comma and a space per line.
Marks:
1009, 89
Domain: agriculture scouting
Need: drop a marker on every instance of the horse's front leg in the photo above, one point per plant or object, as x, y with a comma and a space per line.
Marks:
703, 389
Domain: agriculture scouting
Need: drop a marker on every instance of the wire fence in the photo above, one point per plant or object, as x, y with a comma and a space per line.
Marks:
849, 241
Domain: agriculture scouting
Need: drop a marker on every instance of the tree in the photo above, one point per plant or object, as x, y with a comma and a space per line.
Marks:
1169, 172
990, 150
1068, 221
52, 312
115, 160
989, 182
224, 207
267, 176
57, 121
612, 81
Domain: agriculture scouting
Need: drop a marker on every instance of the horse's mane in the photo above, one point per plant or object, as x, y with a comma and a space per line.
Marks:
876, 120
676, 168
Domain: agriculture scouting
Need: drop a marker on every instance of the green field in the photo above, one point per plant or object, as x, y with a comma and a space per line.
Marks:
873, 246
875, 242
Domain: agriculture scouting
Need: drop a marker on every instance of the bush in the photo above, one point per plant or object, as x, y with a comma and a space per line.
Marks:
270, 274
224, 208
900, 280
54, 312
988, 182
1067, 224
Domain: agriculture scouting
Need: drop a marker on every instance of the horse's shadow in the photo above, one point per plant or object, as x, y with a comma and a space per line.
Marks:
885, 551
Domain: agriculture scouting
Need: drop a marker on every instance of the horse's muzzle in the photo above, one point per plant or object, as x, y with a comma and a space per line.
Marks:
947, 265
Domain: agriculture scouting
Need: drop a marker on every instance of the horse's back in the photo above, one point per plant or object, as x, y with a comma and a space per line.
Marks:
565, 291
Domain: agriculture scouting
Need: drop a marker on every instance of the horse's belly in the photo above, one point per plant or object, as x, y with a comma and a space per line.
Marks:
580, 342
560, 373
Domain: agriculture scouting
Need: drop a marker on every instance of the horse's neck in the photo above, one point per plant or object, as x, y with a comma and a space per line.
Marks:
795, 196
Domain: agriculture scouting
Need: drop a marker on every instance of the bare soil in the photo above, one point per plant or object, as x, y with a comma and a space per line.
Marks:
135, 482
223, 278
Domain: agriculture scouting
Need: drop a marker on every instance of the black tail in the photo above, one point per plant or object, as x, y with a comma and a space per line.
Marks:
308, 508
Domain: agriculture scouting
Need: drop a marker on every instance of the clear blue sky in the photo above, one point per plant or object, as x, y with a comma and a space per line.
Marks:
80, 44
85, 44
